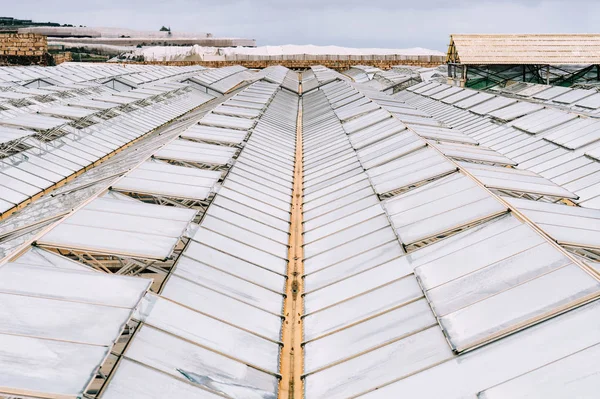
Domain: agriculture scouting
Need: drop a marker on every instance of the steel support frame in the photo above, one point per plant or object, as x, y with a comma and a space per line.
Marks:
592, 254
199, 205
214, 142
197, 165
113, 264
524, 195
488, 76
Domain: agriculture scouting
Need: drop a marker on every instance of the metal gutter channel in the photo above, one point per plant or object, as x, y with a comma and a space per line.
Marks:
291, 363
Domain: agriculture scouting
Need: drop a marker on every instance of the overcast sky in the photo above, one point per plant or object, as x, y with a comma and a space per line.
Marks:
351, 23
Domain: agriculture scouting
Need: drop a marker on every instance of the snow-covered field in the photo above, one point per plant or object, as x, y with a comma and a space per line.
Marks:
292, 49
198, 53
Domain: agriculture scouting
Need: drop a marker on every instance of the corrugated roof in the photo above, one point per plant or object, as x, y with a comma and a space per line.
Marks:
425, 265
545, 49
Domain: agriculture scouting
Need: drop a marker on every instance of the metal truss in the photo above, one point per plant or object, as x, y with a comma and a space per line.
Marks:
592, 254
63, 94
214, 142
16, 146
528, 196
474, 161
157, 270
200, 205
86, 121
198, 165
488, 76
48, 135
24, 102
13, 147
46, 98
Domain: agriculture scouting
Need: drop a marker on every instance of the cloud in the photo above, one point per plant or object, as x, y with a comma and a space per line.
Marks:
351, 23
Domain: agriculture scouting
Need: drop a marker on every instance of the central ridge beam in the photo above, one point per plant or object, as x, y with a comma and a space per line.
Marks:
292, 357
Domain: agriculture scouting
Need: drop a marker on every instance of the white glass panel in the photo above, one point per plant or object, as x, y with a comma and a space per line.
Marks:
357, 284
519, 306
223, 307
109, 241
348, 250
368, 334
229, 284
375, 368
576, 376
515, 269
363, 261
257, 204
62, 320
235, 248
357, 202
141, 209
206, 331
209, 369
39, 257
163, 188
234, 265
135, 381
343, 236
361, 307
46, 366
245, 235
481, 249
80, 286
530, 349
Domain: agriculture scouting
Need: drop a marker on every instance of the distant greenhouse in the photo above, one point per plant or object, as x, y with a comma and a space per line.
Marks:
481, 61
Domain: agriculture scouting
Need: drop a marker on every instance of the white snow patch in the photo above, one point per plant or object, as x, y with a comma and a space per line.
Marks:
292, 49
188, 53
